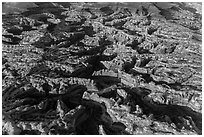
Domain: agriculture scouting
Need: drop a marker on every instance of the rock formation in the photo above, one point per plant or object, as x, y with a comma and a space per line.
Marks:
101, 68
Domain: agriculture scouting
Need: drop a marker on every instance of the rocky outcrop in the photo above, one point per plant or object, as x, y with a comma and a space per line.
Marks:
102, 69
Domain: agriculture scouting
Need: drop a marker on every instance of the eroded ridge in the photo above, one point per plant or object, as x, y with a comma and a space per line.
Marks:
102, 68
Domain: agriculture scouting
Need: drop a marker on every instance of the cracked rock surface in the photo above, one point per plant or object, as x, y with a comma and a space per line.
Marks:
101, 68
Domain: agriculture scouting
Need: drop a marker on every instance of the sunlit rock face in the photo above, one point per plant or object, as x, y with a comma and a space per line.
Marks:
101, 68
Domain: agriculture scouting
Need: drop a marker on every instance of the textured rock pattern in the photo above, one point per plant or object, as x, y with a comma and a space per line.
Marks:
102, 68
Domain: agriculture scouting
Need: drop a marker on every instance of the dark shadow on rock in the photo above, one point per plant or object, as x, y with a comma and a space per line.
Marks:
14, 31
105, 81
12, 40
176, 113
48, 101
94, 115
